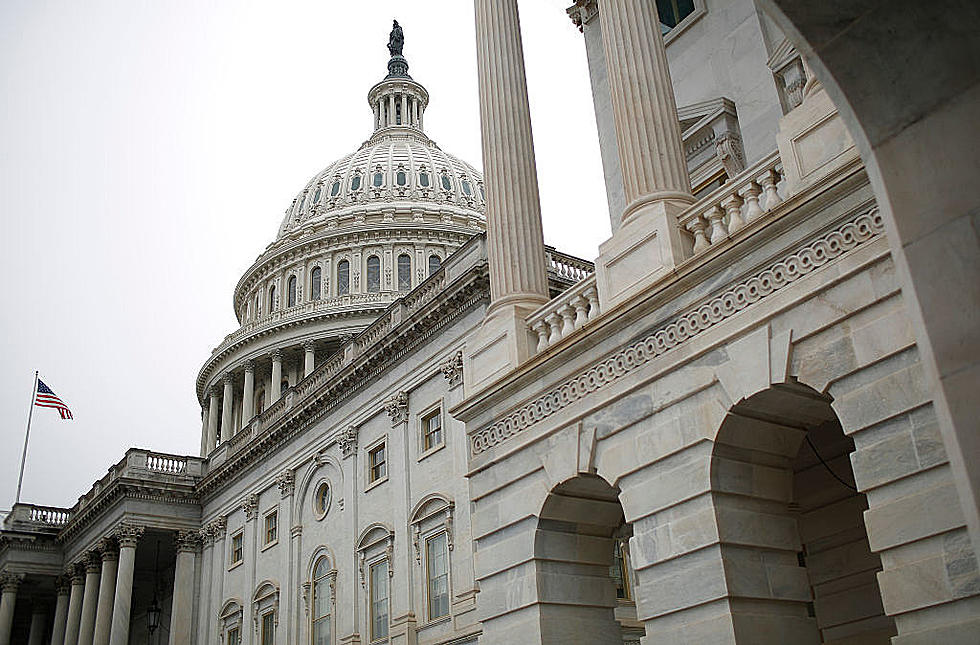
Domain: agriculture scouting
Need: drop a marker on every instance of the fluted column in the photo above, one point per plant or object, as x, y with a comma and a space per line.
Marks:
276, 375
514, 239
181, 614
90, 601
63, 586
204, 431
309, 359
39, 619
75, 604
227, 397
212, 419
248, 393
127, 536
107, 592
9, 583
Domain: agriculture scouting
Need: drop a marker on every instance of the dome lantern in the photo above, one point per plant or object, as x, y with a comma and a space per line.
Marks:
397, 101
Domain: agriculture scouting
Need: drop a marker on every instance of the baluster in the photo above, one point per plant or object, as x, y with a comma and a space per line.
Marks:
568, 320
714, 215
733, 206
581, 316
750, 195
554, 321
696, 226
541, 329
768, 181
593, 297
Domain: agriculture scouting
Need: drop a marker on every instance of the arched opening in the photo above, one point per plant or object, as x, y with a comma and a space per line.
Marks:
272, 298
581, 562
373, 274
404, 272
791, 526
343, 278
291, 291
434, 263
315, 283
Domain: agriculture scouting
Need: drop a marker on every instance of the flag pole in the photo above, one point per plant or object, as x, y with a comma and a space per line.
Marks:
23, 459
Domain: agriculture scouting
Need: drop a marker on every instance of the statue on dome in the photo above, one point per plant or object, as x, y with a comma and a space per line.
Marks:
396, 40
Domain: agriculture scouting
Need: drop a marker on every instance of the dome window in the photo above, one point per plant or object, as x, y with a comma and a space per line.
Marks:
335, 188
434, 263
272, 298
343, 278
315, 283
483, 194
291, 291
373, 274
466, 187
316, 195
404, 272
355, 182
379, 179
401, 178
424, 179
447, 183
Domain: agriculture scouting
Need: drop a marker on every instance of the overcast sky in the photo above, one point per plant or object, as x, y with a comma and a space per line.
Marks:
149, 150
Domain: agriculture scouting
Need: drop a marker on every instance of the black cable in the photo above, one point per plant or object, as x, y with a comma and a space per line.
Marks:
829, 470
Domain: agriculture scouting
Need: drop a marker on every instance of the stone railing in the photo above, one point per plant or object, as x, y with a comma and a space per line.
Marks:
567, 267
565, 314
746, 198
49, 515
33, 517
170, 464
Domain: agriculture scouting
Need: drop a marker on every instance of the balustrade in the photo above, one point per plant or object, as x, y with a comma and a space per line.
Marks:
170, 464
566, 266
566, 314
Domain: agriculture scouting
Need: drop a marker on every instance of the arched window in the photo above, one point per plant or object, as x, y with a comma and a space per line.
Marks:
373, 274
447, 183
379, 179
355, 182
315, 283
335, 188
466, 187
283, 385
316, 195
258, 305
401, 178
291, 291
404, 272
424, 179
272, 298
434, 263
321, 603
343, 278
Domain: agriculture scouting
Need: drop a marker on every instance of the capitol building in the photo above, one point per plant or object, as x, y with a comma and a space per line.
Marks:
752, 418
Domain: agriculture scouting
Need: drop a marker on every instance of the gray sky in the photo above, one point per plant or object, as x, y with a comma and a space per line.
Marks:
149, 150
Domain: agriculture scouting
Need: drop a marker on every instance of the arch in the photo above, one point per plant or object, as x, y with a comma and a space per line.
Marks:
373, 534
429, 505
315, 282
373, 274
324, 467
291, 291
343, 277
229, 607
322, 551
264, 589
272, 298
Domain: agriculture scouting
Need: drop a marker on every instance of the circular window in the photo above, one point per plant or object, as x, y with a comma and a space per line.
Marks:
321, 500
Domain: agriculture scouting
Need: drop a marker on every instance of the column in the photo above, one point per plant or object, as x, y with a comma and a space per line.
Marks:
308, 348
227, 397
182, 612
86, 629
212, 419
107, 592
276, 375
63, 585
75, 604
248, 393
406, 120
9, 583
655, 181
391, 109
204, 431
127, 536
39, 619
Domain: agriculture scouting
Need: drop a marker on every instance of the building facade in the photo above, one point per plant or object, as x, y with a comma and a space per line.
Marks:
430, 428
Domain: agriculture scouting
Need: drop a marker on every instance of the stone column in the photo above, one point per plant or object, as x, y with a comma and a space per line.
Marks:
182, 612
9, 583
127, 535
515, 246
248, 393
86, 629
39, 619
212, 419
204, 431
75, 605
656, 185
63, 585
276, 375
310, 357
107, 592
227, 398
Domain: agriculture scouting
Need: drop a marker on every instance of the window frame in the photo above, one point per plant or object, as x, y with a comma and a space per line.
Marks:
369, 286
344, 264
372, 565
232, 562
687, 21
317, 512
434, 410
436, 270
371, 450
398, 272
292, 291
426, 577
266, 542
329, 578
270, 618
316, 283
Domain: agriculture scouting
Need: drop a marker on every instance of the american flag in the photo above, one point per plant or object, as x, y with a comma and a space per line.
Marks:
45, 398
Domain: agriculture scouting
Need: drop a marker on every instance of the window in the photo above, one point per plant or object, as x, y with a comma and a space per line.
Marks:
379, 600
316, 195
447, 183
283, 386
291, 291
272, 298
315, 283
271, 527
620, 570
432, 430
335, 188
321, 603
268, 629
373, 274
379, 179
377, 463
434, 263
321, 500
401, 178
424, 179
343, 278
437, 576
404, 272
672, 12
237, 547
234, 636
466, 187
355, 182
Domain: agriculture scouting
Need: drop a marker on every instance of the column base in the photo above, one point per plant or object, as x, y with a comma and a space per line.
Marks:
647, 246
501, 344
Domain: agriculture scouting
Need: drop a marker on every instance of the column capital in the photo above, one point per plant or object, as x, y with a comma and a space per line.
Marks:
250, 366
397, 408
308, 345
128, 535
216, 529
76, 571
452, 369
583, 12
348, 441
276, 355
10, 581
228, 379
93, 562
250, 506
187, 541
286, 481
108, 549
62, 585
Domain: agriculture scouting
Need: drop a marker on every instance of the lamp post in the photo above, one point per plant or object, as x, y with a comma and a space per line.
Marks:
153, 611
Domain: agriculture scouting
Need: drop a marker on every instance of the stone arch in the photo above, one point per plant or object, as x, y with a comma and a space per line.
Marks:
429, 505
791, 535
320, 552
905, 78
327, 468
574, 552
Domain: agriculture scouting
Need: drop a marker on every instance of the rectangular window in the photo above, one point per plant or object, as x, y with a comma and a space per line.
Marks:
321, 612
377, 462
379, 600
432, 430
237, 547
234, 636
437, 576
271, 527
620, 570
268, 629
